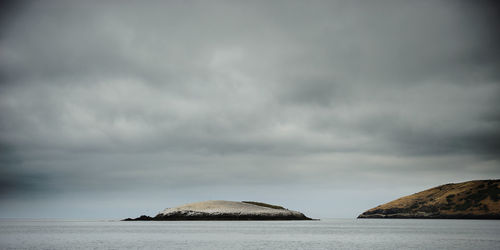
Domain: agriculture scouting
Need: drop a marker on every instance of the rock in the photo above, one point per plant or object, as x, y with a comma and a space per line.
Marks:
226, 210
467, 200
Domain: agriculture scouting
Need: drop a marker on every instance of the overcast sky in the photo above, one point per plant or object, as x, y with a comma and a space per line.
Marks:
112, 109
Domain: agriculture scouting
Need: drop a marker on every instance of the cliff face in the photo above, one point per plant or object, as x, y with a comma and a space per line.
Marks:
226, 210
467, 200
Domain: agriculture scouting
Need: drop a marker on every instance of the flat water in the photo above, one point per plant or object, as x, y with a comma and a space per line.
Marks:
323, 234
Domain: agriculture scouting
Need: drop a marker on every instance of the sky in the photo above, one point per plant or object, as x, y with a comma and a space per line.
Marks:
113, 109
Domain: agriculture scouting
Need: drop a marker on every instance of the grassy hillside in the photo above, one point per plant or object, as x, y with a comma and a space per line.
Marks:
473, 199
262, 204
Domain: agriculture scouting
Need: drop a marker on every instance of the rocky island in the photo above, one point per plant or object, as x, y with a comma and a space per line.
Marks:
225, 210
467, 200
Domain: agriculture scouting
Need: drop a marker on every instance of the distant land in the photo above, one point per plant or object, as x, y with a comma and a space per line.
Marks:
467, 200
225, 210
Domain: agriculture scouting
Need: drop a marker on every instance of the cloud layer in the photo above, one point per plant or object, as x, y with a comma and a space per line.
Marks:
113, 98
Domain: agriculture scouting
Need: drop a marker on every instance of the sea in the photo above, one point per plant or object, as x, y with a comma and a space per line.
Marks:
320, 234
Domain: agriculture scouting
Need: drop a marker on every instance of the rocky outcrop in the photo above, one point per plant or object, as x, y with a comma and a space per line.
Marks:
226, 210
468, 200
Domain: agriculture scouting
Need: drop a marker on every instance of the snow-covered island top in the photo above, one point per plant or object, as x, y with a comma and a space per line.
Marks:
226, 210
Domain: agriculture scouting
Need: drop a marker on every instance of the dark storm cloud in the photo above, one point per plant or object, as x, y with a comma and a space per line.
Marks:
115, 96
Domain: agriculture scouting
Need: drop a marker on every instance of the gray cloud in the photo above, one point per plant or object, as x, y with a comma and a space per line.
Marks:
118, 98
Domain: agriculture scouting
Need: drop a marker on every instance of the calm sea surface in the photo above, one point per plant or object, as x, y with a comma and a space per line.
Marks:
324, 234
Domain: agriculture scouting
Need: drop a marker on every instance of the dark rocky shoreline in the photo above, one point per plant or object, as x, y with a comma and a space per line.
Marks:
208, 216
216, 217
432, 216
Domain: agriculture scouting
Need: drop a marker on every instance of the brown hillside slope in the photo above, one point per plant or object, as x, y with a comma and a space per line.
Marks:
466, 200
